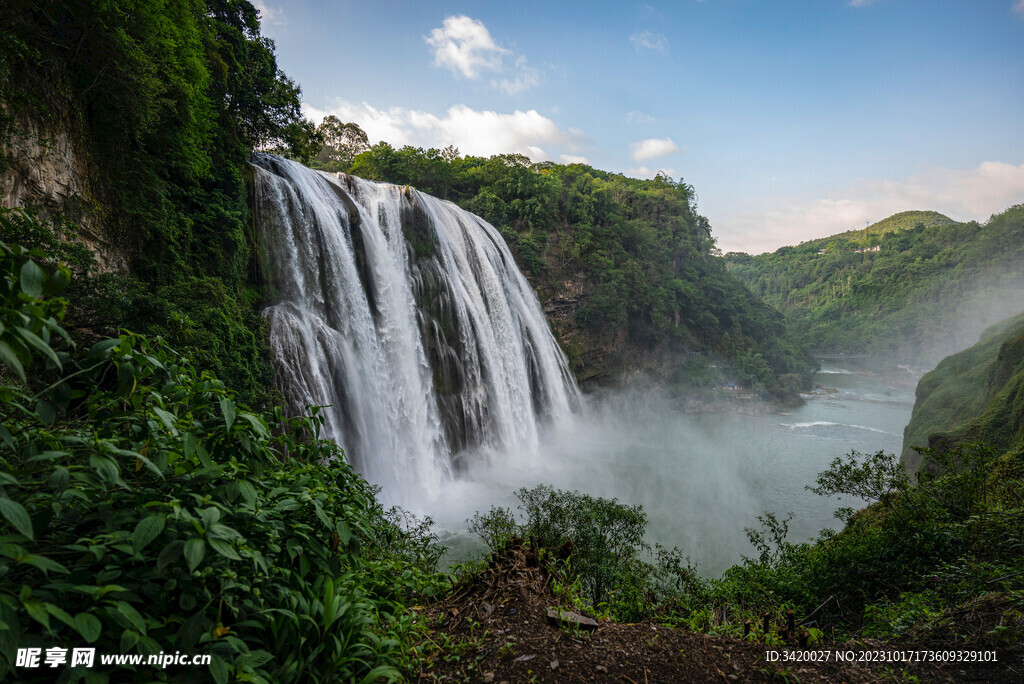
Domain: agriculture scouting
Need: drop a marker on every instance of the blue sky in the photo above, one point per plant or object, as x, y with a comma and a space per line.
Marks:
791, 119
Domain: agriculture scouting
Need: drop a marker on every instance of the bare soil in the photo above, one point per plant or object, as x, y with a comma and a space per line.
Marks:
494, 628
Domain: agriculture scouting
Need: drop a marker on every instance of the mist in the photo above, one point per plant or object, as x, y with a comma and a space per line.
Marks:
994, 299
701, 478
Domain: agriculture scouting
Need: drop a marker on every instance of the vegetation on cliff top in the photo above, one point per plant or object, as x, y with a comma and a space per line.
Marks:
915, 294
637, 258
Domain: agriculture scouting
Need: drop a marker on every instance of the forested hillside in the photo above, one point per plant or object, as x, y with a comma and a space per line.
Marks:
974, 396
910, 294
624, 267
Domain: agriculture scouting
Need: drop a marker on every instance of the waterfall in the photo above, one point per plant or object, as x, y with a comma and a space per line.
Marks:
408, 317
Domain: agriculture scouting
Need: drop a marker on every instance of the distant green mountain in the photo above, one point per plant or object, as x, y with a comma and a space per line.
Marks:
910, 293
976, 395
905, 220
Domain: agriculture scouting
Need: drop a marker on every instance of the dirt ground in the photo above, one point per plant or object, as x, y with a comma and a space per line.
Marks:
495, 629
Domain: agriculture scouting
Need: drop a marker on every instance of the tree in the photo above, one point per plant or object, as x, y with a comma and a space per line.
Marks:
341, 143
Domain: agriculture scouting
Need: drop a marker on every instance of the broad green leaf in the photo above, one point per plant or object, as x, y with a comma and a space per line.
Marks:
60, 279
169, 554
50, 456
258, 426
32, 278
103, 347
16, 514
190, 444
12, 550
89, 626
60, 478
344, 532
132, 616
46, 412
168, 419
259, 658
43, 563
247, 491
106, 467
42, 347
108, 589
223, 548
59, 614
152, 467
381, 673
220, 670
223, 532
7, 437
129, 638
195, 549
210, 516
11, 360
227, 407
287, 505
148, 529
37, 609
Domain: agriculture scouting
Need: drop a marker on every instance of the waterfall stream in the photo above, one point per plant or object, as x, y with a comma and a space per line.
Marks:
408, 318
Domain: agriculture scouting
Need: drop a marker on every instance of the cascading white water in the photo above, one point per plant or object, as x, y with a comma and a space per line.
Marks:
408, 317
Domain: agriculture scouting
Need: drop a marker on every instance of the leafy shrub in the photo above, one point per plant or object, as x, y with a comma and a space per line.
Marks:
145, 509
598, 544
913, 553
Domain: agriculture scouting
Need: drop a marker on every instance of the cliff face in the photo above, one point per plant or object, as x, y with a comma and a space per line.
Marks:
599, 358
976, 395
45, 172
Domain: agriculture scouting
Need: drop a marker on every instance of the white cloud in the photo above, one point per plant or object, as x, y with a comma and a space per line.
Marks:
653, 148
635, 117
465, 46
862, 3
572, 159
651, 41
523, 78
962, 194
1018, 8
478, 133
644, 172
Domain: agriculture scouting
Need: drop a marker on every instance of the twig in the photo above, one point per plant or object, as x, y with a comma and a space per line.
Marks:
806, 619
1005, 577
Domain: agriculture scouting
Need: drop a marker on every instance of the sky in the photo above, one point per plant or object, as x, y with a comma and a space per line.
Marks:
791, 119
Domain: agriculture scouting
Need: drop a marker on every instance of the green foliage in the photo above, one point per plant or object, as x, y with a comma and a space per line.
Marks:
164, 101
496, 527
903, 288
603, 537
917, 552
28, 317
341, 143
145, 508
597, 548
976, 395
220, 328
639, 251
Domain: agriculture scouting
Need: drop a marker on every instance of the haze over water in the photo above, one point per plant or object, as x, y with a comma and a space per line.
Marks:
701, 478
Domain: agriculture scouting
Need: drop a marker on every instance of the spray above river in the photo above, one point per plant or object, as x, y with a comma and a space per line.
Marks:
408, 317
